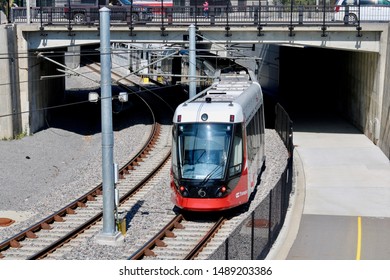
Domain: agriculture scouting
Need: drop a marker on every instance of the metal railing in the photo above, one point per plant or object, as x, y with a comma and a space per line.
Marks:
258, 15
256, 235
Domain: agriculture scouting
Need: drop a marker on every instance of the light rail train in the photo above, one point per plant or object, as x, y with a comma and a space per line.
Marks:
218, 143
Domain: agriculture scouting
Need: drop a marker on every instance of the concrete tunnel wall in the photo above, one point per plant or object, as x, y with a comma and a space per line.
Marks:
46, 92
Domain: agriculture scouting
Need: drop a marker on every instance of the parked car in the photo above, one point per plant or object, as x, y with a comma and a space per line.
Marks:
81, 11
349, 11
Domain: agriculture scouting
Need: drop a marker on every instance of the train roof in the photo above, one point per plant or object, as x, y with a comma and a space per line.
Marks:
232, 94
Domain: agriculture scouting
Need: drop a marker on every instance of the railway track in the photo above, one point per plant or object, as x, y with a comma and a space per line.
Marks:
73, 220
180, 239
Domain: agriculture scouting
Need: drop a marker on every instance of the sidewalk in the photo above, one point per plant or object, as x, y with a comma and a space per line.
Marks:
341, 205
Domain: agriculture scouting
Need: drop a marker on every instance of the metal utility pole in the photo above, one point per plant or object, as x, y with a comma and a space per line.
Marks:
109, 235
192, 60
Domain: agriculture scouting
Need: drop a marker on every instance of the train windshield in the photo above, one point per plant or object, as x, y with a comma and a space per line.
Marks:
203, 150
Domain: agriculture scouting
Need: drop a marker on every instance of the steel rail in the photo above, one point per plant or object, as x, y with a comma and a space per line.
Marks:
99, 216
203, 243
156, 240
167, 231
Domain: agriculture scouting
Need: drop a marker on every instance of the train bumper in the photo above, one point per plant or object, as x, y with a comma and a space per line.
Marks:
208, 204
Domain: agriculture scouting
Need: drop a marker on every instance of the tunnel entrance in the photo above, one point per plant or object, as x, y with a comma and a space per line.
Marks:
326, 83
311, 80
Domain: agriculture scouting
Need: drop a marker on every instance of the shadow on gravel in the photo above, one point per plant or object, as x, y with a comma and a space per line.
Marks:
131, 213
84, 118
77, 115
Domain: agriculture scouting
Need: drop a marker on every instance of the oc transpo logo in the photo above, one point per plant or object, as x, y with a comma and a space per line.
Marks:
239, 194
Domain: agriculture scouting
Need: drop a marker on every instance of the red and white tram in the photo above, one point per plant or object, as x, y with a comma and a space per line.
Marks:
218, 144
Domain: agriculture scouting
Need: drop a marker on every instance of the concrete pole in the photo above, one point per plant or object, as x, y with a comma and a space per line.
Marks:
192, 60
109, 235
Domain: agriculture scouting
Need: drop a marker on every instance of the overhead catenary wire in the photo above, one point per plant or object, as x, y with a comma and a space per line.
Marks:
67, 68
74, 72
55, 54
146, 66
121, 66
71, 104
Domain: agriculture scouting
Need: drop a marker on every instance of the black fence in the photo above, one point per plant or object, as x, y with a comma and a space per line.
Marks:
225, 15
254, 238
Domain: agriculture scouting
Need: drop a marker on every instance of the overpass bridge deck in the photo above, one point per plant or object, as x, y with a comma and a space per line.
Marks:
369, 38
257, 23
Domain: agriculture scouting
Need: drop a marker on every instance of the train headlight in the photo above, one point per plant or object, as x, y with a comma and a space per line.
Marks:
183, 191
222, 191
204, 117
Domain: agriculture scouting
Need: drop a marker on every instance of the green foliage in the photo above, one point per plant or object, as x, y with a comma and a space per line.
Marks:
16, 137
4, 5
21, 135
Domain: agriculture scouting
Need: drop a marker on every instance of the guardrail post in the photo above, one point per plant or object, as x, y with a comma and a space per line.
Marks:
129, 20
88, 16
300, 14
346, 16
212, 16
41, 14
280, 11
256, 16
169, 15
50, 16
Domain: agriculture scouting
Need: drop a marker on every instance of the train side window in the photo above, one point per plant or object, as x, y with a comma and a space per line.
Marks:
252, 137
257, 132
174, 151
236, 160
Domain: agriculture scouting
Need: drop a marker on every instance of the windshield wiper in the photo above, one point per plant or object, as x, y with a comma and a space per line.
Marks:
207, 178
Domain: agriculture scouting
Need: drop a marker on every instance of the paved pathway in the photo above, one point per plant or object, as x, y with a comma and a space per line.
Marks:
341, 206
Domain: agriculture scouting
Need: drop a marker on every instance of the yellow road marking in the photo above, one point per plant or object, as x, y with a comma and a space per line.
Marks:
359, 238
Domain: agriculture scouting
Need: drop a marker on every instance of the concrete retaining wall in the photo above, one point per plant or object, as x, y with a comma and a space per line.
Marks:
43, 93
360, 91
24, 93
10, 123
365, 88
384, 138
